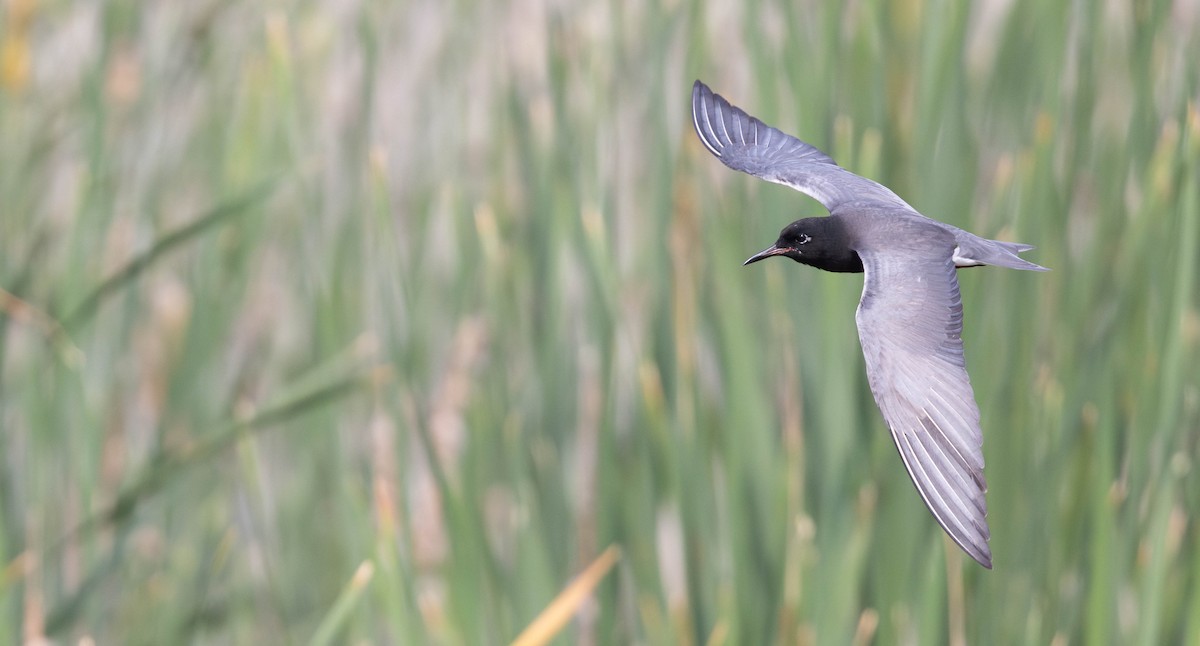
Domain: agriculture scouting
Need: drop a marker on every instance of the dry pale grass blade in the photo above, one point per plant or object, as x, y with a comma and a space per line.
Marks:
955, 595
559, 612
329, 628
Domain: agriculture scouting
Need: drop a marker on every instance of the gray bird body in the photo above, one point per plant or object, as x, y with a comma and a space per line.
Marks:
910, 315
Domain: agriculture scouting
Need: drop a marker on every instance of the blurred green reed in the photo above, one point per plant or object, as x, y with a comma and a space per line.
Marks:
379, 323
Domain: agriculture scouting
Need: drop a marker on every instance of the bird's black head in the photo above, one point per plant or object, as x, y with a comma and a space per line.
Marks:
820, 242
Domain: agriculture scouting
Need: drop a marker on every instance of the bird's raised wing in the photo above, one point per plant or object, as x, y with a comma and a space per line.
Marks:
744, 143
910, 326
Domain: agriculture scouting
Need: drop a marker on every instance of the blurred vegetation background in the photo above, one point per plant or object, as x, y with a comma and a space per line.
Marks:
363, 322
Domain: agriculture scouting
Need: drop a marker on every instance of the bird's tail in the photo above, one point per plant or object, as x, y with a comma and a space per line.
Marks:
981, 251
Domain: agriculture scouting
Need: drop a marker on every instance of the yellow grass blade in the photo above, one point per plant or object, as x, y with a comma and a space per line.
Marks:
559, 612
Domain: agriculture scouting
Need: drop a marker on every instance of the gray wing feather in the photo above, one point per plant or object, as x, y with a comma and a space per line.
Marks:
746, 144
910, 326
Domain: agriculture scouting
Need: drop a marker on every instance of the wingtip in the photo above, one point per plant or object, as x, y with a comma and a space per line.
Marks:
975, 547
703, 100
979, 549
980, 553
984, 559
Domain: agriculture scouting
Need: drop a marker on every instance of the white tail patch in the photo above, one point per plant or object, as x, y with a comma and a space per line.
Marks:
963, 261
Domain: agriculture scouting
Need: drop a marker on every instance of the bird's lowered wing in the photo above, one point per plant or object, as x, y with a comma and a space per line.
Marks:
910, 326
744, 143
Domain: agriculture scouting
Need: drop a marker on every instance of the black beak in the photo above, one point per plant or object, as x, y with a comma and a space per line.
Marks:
767, 253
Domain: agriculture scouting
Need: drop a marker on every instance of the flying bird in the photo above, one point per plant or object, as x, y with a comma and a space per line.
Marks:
910, 314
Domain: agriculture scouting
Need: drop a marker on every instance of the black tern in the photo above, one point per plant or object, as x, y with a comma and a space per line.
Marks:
910, 315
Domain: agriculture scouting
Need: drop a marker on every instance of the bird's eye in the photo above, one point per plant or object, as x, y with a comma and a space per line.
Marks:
804, 238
